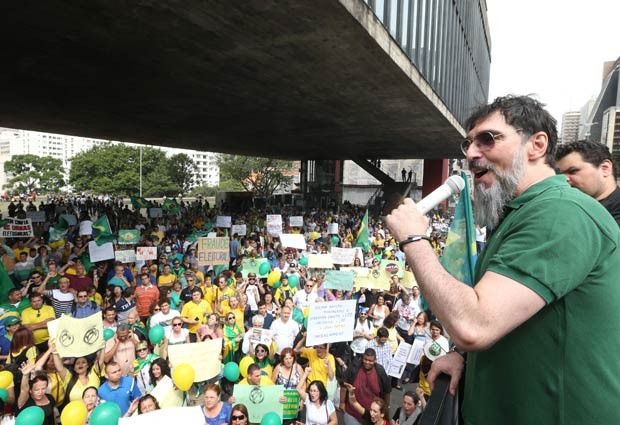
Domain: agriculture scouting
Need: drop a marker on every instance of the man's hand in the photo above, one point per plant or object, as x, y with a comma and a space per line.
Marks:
406, 220
451, 364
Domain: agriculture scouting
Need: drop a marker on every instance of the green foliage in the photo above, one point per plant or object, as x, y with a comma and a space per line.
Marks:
30, 172
261, 176
224, 186
181, 170
112, 168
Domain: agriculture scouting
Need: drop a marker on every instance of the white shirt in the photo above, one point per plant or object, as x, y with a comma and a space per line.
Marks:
359, 343
284, 333
165, 319
302, 299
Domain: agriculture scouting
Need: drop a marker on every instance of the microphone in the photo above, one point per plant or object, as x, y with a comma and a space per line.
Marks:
453, 185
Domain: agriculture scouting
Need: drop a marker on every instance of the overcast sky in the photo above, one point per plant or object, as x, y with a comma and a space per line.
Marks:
552, 48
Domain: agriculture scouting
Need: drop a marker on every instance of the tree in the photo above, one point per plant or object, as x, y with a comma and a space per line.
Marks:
31, 172
115, 169
181, 170
261, 176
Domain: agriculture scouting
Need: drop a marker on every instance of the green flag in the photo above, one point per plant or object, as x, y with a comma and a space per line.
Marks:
138, 202
128, 236
59, 231
6, 284
362, 235
85, 259
459, 254
102, 232
193, 237
171, 206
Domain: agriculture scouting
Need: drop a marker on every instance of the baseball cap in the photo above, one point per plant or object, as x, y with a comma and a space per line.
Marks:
12, 321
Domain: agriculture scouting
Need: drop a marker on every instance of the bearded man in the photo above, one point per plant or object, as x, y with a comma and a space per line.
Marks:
551, 261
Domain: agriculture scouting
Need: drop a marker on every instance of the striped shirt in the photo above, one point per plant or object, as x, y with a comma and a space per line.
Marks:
61, 302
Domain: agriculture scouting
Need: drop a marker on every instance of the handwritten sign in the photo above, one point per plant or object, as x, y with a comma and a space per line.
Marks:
417, 349
36, 216
260, 400
125, 256
320, 261
77, 337
213, 251
399, 361
274, 224
377, 279
146, 253
86, 227
200, 355
239, 229
343, 255
223, 221
128, 236
293, 240
296, 221
252, 265
331, 322
392, 267
291, 407
260, 336
100, 253
16, 228
337, 279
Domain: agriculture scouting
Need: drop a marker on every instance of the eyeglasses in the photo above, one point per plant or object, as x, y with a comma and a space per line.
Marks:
141, 349
231, 318
237, 417
485, 140
251, 278
157, 309
177, 324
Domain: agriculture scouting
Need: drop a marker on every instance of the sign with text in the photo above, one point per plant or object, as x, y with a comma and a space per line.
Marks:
213, 251
320, 261
393, 267
399, 361
296, 221
260, 336
337, 279
224, 221
239, 229
100, 253
332, 228
36, 216
200, 356
156, 212
331, 322
77, 337
274, 224
417, 350
86, 227
343, 255
146, 253
16, 228
293, 240
291, 406
125, 256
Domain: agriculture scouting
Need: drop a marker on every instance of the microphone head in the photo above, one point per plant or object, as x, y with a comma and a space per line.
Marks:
456, 184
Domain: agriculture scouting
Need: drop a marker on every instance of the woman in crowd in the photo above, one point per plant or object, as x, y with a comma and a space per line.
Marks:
90, 397
22, 350
84, 374
142, 366
272, 305
210, 330
233, 336
215, 411
264, 358
34, 393
146, 403
319, 410
378, 312
239, 415
165, 390
288, 372
378, 413
177, 334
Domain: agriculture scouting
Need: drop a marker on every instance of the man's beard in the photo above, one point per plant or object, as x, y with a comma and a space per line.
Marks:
491, 201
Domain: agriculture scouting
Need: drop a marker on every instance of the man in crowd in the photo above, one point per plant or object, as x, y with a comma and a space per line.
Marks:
83, 307
195, 313
35, 319
122, 349
62, 298
146, 294
305, 298
552, 259
589, 167
118, 388
284, 330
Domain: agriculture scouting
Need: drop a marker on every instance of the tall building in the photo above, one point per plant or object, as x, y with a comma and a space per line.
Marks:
609, 97
610, 132
570, 126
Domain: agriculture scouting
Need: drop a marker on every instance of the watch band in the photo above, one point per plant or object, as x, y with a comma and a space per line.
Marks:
412, 238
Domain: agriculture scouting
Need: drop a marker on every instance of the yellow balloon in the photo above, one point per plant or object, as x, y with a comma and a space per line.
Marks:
74, 413
273, 277
57, 244
244, 364
306, 311
6, 379
314, 236
183, 376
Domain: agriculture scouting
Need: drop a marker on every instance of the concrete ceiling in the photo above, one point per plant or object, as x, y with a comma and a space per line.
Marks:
293, 79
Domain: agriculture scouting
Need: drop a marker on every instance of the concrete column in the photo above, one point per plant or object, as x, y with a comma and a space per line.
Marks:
435, 173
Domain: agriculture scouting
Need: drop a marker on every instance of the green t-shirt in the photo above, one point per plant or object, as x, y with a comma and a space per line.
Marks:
560, 367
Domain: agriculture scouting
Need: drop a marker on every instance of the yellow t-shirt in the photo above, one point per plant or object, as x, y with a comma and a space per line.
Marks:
191, 310
238, 315
31, 316
166, 281
319, 371
78, 388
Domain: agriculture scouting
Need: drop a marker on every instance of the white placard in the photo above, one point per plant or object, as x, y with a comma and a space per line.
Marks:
212, 235
332, 228
86, 227
296, 221
417, 349
156, 212
274, 224
36, 216
320, 261
70, 219
399, 361
260, 336
239, 229
343, 255
223, 221
331, 322
182, 415
100, 253
16, 228
293, 240
146, 253
125, 256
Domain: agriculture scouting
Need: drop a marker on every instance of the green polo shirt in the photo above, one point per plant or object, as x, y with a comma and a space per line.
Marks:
561, 366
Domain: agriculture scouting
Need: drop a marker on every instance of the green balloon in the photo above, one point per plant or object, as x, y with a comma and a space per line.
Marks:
271, 418
298, 315
306, 323
105, 414
156, 334
108, 333
303, 261
293, 280
277, 285
264, 269
32, 415
4, 394
231, 371
335, 240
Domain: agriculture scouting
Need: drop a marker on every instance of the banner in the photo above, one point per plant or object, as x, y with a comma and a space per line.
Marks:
274, 224
239, 229
213, 251
331, 322
128, 237
100, 253
155, 212
125, 256
337, 279
260, 400
378, 279
146, 253
202, 356
223, 221
343, 255
77, 337
291, 407
252, 265
16, 228
399, 361
296, 221
182, 415
36, 216
320, 261
293, 240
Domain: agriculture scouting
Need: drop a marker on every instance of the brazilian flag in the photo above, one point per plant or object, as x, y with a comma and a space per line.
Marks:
363, 240
171, 206
139, 202
102, 232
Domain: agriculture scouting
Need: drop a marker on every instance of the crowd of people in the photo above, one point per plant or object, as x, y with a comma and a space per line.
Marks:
194, 302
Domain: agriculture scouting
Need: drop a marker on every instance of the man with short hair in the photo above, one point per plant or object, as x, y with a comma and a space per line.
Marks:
195, 312
305, 298
62, 298
83, 307
164, 316
262, 311
16, 301
284, 330
122, 349
589, 167
118, 388
255, 377
35, 319
145, 294
552, 258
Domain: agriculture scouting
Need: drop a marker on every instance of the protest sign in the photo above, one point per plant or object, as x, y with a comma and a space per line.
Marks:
128, 237
320, 261
16, 228
260, 400
377, 279
213, 251
392, 267
399, 361
200, 356
182, 415
274, 224
155, 212
77, 337
343, 255
100, 253
223, 221
252, 265
36, 216
125, 256
332, 228
296, 221
408, 281
337, 279
70, 219
291, 407
239, 229
260, 336
86, 227
146, 253
417, 349
330, 322
293, 240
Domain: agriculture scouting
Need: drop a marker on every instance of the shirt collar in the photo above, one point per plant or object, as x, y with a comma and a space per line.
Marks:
536, 189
